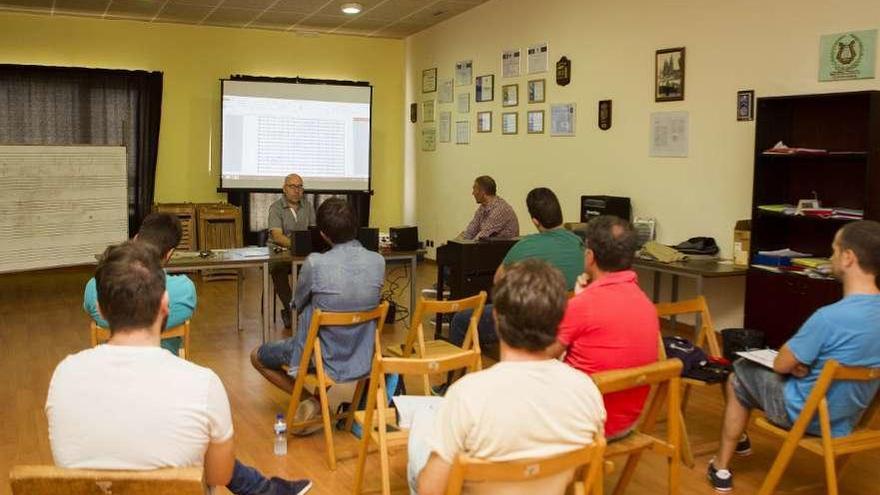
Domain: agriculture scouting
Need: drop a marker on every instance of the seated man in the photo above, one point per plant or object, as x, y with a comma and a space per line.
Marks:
847, 331
346, 278
162, 231
288, 214
494, 219
610, 323
552, 243
131, 405
525, 407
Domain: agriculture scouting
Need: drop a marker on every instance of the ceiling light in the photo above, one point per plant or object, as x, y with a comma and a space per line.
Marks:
352, 8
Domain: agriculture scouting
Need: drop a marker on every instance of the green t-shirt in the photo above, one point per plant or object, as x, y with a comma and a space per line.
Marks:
558, 247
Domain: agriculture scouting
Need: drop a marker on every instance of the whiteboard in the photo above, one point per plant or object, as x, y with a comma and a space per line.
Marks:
60, 205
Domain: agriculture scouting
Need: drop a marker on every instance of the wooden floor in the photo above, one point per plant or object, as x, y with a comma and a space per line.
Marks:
41, 321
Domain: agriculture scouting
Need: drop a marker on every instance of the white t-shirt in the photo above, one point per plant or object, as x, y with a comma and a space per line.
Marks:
519, 410
138, 408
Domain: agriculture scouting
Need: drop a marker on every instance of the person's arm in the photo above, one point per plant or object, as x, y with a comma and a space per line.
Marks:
473, 227
181, 299
219, 463
303, 292
434, 476
555, 350
787, 364
276, 227
568, 329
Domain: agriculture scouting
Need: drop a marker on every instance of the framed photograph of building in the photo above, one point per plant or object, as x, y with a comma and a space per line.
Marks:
669, 74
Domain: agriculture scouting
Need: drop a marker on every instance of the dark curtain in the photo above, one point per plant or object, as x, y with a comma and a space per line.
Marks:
80, 106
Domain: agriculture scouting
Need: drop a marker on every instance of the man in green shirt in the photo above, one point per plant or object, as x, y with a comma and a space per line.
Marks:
553, 244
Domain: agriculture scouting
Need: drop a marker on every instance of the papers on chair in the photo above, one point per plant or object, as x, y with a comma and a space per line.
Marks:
764, 357
410, 405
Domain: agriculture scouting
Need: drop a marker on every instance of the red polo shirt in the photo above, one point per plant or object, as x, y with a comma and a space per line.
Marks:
611, 325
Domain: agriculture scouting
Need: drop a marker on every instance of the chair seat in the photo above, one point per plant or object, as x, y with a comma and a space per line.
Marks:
632, 443
396, 439
433, 349
854, 442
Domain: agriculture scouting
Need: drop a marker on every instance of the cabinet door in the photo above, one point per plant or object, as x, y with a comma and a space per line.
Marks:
778, 304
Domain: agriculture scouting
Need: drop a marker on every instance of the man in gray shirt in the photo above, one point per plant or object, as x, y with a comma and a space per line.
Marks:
286, 215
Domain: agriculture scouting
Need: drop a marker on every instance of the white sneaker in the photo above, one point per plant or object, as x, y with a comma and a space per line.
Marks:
306, 410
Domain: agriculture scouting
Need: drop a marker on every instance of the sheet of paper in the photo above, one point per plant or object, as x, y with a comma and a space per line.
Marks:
562, 119
785, 253
462, 132
444, 93
669, 134
429, 139
463, 102
538, 54
510, 62
410, 405
764, 357
444, 127
464, 72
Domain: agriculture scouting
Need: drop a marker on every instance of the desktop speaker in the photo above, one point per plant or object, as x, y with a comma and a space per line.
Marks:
404, 238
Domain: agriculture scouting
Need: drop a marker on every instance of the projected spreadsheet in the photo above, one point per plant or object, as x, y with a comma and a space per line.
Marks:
317, 146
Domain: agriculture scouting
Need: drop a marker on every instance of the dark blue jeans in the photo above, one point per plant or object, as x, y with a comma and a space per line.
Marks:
486, 327
248, 481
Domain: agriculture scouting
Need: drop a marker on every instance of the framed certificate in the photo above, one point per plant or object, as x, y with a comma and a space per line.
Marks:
509, 123
535, 122
510, 95
485, 88
536, 91
484, 121
429, 80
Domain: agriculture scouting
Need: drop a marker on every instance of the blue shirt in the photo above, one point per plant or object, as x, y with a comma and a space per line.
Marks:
849, 332
181, 304
346, 278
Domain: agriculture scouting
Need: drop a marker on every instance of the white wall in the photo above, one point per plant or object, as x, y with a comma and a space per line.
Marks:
771, 47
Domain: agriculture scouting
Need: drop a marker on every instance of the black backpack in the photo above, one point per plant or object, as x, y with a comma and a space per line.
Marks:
696, 363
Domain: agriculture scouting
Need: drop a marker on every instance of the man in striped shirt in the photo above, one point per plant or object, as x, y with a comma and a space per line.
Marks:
494, 218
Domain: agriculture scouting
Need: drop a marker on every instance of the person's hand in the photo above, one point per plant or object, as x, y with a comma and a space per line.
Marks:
581, 283
800, 370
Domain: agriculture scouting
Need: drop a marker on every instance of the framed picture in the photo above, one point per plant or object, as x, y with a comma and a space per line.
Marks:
535, 122
510, 95
485, 90
745, 105
536, 91
509, 123
429, 80
669, 74
428, 111
484, 121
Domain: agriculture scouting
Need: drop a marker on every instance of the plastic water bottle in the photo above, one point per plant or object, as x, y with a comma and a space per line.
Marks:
280, 435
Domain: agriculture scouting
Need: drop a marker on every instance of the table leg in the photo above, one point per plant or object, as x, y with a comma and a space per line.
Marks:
264, 326
698, 320
412, 288
239, 282
673, 319
657, 279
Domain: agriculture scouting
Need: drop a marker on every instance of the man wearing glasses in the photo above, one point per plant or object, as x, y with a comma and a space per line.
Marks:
288, 214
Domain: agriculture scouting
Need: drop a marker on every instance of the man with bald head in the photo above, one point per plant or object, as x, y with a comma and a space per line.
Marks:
288, 214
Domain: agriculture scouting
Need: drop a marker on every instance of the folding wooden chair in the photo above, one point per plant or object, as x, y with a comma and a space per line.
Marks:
99, 335
51, 480
835, 451
665, 378
588, 459
379, 415
319, 379
416, 345
707, 339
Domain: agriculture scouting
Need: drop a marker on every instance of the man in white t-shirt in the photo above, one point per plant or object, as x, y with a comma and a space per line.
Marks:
131, 405
525, 407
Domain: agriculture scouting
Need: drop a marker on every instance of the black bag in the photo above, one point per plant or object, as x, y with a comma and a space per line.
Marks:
741, 339
696, 363
698, 245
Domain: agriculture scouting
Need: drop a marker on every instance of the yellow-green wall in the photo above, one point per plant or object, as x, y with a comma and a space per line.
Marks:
769, 46
194, 58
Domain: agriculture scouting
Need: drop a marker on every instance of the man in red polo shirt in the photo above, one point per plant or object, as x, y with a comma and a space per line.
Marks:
610, 323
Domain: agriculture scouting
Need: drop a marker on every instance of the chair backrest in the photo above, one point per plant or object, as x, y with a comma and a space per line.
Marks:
99, 335
706, 333
326, 318
589, 458
416, 335
665, 379
51, 480
834, 371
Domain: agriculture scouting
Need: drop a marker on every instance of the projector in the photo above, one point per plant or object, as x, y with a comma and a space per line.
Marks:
404, 238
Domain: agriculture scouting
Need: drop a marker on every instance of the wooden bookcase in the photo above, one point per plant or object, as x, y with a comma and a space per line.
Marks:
847, 125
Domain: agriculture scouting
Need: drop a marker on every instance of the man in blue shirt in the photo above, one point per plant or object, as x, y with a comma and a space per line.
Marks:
847, 331
346, 278
163, 232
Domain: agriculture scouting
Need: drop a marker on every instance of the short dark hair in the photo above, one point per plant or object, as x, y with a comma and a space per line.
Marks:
130, 283
486, 184
529, 302
544, 207
162, 230
336, 219
863, 238
613, 242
